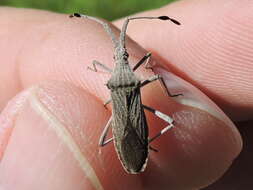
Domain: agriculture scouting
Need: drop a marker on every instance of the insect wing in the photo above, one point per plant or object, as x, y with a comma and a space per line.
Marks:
130, 129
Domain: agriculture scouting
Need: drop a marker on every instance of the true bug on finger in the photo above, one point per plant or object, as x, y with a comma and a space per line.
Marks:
128, 120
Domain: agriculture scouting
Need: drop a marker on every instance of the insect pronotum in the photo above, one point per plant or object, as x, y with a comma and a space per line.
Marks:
128, 120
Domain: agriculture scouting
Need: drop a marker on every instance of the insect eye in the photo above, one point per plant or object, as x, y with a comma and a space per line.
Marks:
125, 55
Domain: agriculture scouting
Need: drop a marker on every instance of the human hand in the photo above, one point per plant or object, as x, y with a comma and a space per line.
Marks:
52, 48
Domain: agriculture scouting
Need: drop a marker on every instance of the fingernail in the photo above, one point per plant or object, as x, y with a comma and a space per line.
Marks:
41, 152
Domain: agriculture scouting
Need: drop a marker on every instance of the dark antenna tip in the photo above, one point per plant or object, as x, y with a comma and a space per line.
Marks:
168, 18
75, 15
164, 18
175, 21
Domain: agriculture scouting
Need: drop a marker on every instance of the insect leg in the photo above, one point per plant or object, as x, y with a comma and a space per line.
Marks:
166, 89
153, 149
162, 116
107, 102
145, 59
96, 63
149, 80
102, 139
158, 77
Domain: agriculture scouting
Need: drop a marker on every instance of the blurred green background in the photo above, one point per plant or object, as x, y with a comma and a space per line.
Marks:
108, 9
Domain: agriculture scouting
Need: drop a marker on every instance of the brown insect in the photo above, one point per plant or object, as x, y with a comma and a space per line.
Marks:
128, 120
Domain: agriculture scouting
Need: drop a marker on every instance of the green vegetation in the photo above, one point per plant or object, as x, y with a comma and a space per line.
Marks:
108, 9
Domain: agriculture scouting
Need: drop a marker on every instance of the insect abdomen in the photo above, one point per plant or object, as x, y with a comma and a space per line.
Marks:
132, 152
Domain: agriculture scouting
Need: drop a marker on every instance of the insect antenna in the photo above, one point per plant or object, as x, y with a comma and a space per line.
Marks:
104, 24
122, 37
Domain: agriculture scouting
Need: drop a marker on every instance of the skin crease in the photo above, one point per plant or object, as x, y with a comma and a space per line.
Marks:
43, 46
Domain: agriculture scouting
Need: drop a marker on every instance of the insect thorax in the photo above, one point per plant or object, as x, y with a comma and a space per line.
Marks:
123, 77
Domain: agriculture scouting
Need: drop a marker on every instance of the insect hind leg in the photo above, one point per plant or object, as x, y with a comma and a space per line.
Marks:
162, 116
